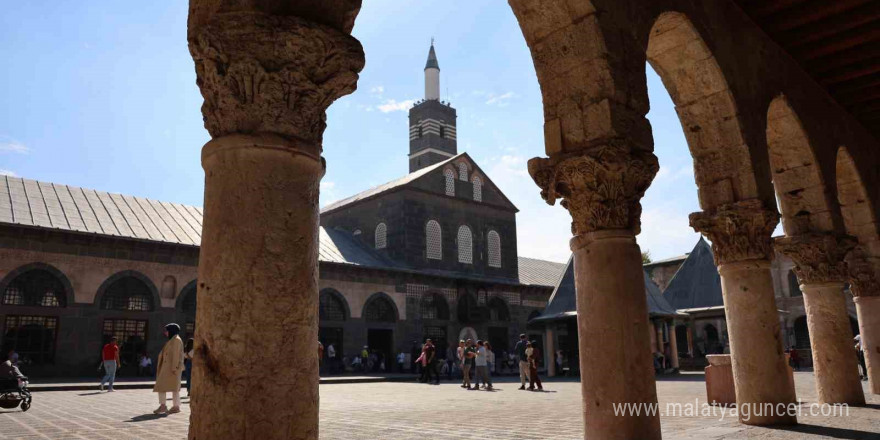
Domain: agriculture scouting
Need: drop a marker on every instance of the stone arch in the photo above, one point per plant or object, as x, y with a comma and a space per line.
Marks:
68, 297
151, 288
498, 309
858, 214
468, 309
797, 178
330, 304
433, 305
186, 297
383, 302
706, 109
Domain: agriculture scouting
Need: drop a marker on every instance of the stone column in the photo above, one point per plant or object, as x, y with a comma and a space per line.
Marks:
266, 81
690, 336
550, 352
673, 345
866, 289
601, 187
822, 273
740, 235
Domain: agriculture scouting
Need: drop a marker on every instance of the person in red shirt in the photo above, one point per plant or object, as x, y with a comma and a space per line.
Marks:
110, 360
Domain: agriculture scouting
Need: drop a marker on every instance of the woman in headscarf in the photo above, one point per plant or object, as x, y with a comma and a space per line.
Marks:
168, 370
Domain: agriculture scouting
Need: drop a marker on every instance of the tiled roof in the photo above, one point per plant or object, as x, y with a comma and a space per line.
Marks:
563, 301
539, 272
696, 283
677, 259
69, 208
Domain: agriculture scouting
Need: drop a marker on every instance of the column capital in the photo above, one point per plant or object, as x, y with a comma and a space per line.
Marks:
601, 187
863, 277
261, 73
818, 257
739, 231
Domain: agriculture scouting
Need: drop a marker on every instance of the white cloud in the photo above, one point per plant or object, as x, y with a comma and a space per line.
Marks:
327, 185
500, 100
7, 173
392, 105
9, 145
377, 90
666, 233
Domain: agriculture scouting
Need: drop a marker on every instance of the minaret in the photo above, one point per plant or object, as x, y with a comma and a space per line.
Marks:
432, 136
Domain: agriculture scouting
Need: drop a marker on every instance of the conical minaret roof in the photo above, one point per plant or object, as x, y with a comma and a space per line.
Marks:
432, 59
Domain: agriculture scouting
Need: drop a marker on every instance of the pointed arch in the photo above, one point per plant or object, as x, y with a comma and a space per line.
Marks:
498, 310
463, 171
42, 276
433, 305
494, 249
128, 290
478, 188
332, 306
379, 307
855, 206
469, 310
797, 178
706, 109
186, 299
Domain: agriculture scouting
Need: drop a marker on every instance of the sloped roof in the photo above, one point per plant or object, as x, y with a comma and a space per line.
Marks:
32, 203
69, 208
406, 180
676, 259
432, 59
696, 284
563, 301
539, 272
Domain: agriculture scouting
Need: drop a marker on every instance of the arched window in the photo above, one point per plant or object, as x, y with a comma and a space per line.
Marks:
450, 181
442, 131
462, 171
794, 286
331, 307
478, 188
498, 310
380, 309
35, 287
465, 245
433, 241
494, 249
469, 311
129, 294
188, 307
32, 337
434, 306
381, 231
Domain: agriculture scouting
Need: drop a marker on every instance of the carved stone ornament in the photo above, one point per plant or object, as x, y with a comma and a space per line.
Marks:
600, 187
863, 273
275, 74
818, 257
739, 231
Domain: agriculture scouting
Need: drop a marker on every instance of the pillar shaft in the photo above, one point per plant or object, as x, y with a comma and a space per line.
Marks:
550, 352
673, 345
606, 262
835, 363
740, 235
821, 270
868, 310
601, 187
266, 81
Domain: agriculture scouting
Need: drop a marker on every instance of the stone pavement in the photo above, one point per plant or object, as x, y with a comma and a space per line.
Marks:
417, 411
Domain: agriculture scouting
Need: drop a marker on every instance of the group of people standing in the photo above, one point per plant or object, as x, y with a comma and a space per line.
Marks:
475, 359
529, 356
174, 363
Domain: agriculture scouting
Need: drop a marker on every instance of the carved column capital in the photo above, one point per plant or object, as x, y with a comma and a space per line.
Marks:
262, 73
818, 257
739, 231
863, 273
600, 187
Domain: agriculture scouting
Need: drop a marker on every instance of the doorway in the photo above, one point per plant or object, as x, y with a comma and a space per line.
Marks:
381, 342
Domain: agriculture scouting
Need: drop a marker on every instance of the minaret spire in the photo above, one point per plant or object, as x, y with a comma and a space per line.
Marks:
432, 75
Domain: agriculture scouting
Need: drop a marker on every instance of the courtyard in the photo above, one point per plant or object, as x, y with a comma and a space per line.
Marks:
416, 411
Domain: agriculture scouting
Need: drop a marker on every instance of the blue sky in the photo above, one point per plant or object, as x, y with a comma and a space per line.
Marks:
102, 94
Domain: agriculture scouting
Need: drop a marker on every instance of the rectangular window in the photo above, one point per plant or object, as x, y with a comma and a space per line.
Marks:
132, 337
32, 337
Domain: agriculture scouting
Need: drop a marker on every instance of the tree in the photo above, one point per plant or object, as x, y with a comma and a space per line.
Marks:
646, 257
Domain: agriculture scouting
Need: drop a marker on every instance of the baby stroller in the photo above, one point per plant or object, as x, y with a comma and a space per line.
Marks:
14, 392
